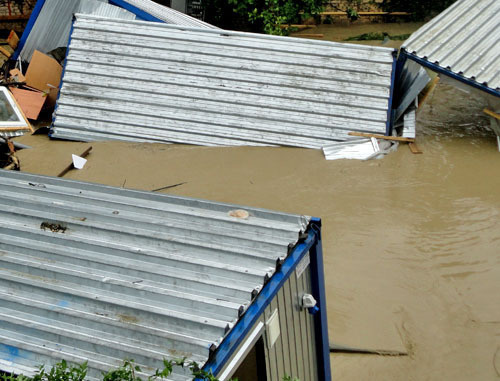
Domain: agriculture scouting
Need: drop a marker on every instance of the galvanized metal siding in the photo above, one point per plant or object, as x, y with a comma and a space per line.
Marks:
101, 273
53, 25
155, 82
167, 14
464, 39
294, 353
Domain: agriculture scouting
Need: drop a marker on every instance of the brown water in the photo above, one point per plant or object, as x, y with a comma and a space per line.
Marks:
412, 242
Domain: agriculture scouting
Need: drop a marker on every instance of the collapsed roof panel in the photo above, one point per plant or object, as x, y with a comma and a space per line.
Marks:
50, 23
462, 42
140, 81
150, 11
91, 272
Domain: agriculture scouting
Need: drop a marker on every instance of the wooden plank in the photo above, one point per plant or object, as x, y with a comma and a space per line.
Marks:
5, 52
31, 102
376, 136
340, 13
414, 148
427, 91
493, 114
13, 39
297, 26
315, 35
14, 18
70, 166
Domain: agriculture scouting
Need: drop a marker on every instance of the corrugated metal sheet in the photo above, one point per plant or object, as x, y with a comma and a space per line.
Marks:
101, 273
167, 14
464, 39
140, 81
52, 27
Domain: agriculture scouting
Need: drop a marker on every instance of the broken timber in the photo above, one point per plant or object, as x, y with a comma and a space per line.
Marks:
393, 138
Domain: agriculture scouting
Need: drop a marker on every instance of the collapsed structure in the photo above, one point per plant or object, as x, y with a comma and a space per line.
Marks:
133, 80
101, 274
49, 26
462, 46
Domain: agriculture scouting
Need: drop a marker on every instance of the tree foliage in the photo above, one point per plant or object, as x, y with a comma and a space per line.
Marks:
269, 16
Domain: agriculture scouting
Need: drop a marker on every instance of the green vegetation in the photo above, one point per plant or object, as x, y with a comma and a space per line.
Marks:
126, 372
268, 16
378, 36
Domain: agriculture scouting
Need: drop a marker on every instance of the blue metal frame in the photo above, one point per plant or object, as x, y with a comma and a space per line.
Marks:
449, 73
319, 293
390, 113
142, 15
231, 342
29, 26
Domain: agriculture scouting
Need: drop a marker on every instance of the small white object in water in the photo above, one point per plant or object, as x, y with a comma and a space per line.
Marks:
78, 162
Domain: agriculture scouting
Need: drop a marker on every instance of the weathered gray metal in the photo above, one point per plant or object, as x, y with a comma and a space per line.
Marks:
53, 25
140, 81
167, 14
90, 272
464, 41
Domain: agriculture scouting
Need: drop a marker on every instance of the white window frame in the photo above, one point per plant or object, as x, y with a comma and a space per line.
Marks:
22, 123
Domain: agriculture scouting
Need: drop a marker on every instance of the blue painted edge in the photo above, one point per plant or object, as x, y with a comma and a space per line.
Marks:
400, 64
62, 75
390, 114
29, 26
231, 342
449, 73
319, 293
143, 15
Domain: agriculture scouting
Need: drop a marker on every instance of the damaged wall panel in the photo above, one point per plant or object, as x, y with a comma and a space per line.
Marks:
141, 81
463, 43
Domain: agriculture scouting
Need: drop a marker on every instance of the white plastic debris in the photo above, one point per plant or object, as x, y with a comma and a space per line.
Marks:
78, 162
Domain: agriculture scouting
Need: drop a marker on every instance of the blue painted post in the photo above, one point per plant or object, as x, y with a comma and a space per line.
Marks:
319, 293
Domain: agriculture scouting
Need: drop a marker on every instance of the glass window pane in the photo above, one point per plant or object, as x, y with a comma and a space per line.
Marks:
7, 113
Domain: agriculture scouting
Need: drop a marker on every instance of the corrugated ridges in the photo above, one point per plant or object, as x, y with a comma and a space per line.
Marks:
463, 39
101, 273
151, 82
167, 14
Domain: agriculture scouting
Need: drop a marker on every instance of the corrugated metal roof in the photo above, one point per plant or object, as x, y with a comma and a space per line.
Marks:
464, 39
140, 81
100, 273
52, 27
167, 14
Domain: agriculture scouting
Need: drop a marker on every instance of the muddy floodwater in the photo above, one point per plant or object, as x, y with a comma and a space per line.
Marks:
411, 242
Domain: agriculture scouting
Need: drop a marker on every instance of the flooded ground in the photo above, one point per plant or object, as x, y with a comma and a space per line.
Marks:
411, 242
340, 32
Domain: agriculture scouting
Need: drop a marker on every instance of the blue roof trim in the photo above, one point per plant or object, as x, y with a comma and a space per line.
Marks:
390, 114
31, 22
142, 15
231, 342
319, 293
449, 73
